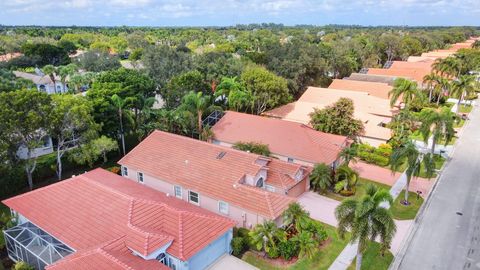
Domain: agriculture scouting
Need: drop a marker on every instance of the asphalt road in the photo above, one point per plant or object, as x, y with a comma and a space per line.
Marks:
448, 235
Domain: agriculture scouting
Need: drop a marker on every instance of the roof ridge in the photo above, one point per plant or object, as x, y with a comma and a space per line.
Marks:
269, 204
142, 231
180, 234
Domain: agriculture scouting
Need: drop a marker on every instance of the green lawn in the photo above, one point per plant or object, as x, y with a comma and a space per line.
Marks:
459, 124
360, 190
373, 260
322, 259
419, 137
403, 212
465, 108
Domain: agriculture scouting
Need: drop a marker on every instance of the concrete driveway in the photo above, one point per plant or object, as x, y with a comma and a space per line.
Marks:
231, 263
320, 207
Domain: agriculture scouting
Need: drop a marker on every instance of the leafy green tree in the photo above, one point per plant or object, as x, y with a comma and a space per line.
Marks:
9, 82
90, 152
21, 265
97, 61
102, 146
337, 119
71, 123
346, 178
438, 123
266, 235
163, 62
321, 177
403, 89
180, 85
47, 54
216, 65
253, 147
414, 159
66, 71
268, 89
367, 220
24, 120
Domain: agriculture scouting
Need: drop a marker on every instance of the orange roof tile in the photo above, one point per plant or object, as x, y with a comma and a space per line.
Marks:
195, 165
97, 207
285, 138
415, 74
371, 110
376, 89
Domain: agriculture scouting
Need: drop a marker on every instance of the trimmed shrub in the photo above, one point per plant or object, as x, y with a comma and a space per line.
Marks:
238, 246
273, 253
288, 249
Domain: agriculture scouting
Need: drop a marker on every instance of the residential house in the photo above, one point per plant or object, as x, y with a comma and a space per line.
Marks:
245, 187
376, 89
100, 220
374, 112
415, 74
371, 78
288, 141
43, 82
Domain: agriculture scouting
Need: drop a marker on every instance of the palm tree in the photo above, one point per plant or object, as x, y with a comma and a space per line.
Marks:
430, 80
346, 178
65, 71
409, 153
476, 44
349, 154
321, 177
463, 87
295, 216
367, 220
405, 89
306, 243
120, 104
198, 104
443, 86
438, 123
449, 66
267, 235
51, 71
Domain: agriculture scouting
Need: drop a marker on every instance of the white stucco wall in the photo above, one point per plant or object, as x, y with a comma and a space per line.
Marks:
242, 217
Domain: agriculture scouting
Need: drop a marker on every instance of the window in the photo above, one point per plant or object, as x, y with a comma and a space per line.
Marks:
140, 177
223, 207
124, 171
290, 160
260, 182
178, 191
193, 197
162, 258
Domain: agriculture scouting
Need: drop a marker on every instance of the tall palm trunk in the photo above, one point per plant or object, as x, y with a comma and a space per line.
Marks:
407, 188
459, 103
199, 122
122, 136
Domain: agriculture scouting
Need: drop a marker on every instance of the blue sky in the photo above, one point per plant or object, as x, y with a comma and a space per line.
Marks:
231, 12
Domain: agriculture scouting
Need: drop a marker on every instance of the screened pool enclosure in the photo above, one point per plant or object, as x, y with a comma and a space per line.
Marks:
27, 242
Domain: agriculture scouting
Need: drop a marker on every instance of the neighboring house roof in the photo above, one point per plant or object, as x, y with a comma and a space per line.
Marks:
371, 110
438, 54
425, 64
371, 78
212, 170
415, 74
420, 58
285, 138
89, 211
36, 79
9, 56
376, 89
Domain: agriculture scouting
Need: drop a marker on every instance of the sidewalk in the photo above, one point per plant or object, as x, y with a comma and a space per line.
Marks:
385, 176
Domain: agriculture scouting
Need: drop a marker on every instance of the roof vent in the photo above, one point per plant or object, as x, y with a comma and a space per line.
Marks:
221, 155
168, 194
186, 161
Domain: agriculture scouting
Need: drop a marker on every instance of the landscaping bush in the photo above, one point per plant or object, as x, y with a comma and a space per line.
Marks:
22, 266
379, 156
238, 246
273, 253
288, 249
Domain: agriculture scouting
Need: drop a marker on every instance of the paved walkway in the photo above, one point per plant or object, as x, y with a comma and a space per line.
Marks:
231, 263
385, 176
320, 207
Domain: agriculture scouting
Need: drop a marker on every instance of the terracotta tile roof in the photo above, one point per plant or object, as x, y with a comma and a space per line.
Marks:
415, 74
421, 58
376, 89
97, 207
195, 165
285, 138
424, 64
9, 56
372, 111
114, 255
